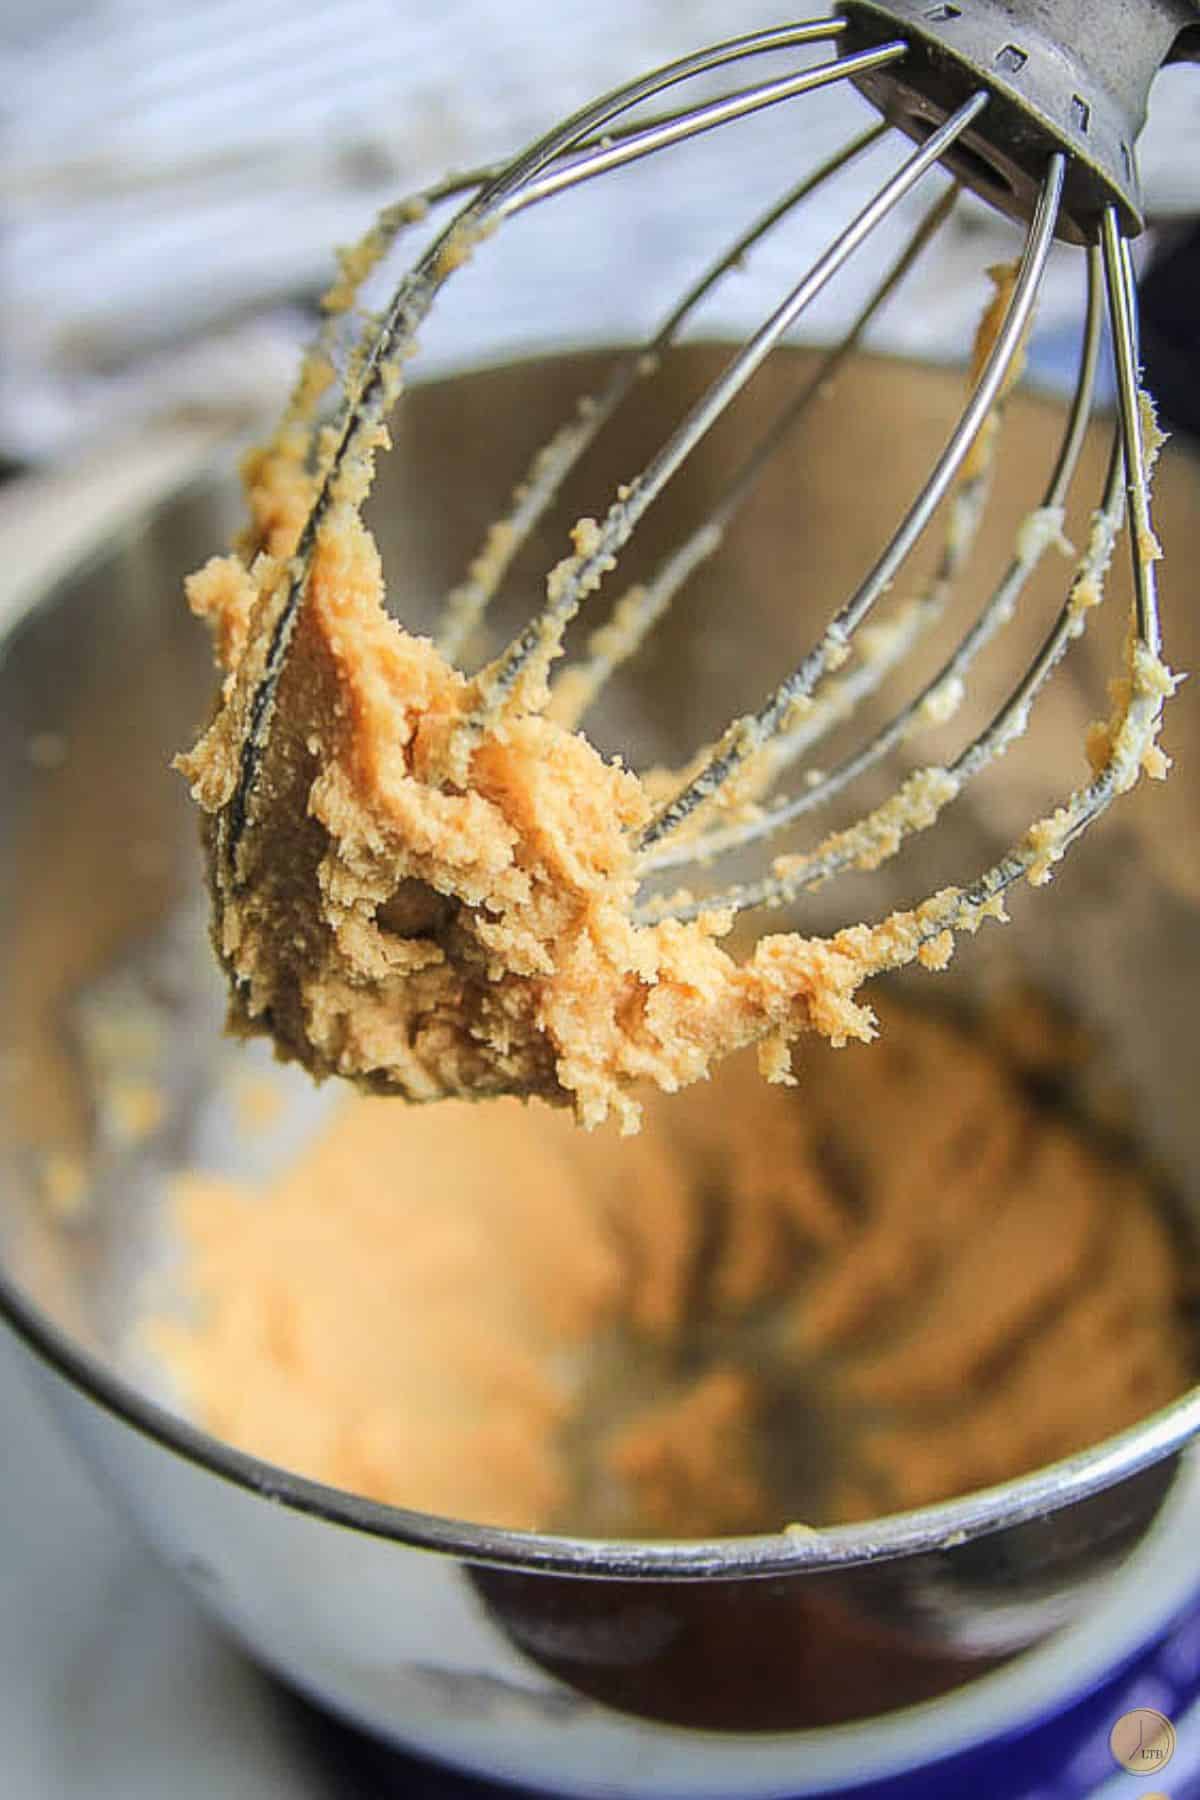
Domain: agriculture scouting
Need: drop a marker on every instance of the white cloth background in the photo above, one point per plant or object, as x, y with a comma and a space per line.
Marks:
172, 174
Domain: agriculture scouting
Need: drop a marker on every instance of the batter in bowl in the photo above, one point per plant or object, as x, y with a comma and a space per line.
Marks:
771, 1305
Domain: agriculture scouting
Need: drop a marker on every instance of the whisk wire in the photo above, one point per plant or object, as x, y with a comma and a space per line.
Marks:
997, 611
371, 389
466, 605
693, 122
918, 803
749, 735
594, 142
1118, 275
540, 640
1135, 723
637, 613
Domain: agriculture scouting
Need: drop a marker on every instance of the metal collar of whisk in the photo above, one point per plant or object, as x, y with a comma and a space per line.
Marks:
1062, 75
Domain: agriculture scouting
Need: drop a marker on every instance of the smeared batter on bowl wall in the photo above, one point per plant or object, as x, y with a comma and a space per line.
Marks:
911, 1278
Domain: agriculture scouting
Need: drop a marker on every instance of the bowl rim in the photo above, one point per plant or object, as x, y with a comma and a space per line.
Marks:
940, 1528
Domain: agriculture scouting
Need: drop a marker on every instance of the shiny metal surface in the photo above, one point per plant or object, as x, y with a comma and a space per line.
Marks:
507, 1650
1065, 75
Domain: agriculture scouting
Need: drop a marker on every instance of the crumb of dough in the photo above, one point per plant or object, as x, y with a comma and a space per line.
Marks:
15, 1065
1003, 277
258, 1104
122, 1035
132, 1109
480, 1312
47, 749
64, 1186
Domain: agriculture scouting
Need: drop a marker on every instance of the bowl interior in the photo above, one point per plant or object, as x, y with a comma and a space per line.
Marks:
103, 956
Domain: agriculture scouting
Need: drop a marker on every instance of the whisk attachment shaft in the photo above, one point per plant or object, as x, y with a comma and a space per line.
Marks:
1070, 76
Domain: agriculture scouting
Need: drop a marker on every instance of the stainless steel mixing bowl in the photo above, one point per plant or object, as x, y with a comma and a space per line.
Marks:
699, 1668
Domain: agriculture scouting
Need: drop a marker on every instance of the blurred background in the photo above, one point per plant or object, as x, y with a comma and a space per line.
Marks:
174, 177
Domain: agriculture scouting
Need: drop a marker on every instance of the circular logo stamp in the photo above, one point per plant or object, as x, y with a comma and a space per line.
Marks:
1142, 1741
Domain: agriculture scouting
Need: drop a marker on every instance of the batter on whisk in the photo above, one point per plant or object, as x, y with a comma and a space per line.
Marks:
426, 882
417, 934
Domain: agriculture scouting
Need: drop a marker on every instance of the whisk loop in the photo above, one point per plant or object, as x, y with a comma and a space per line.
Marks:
722, 802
